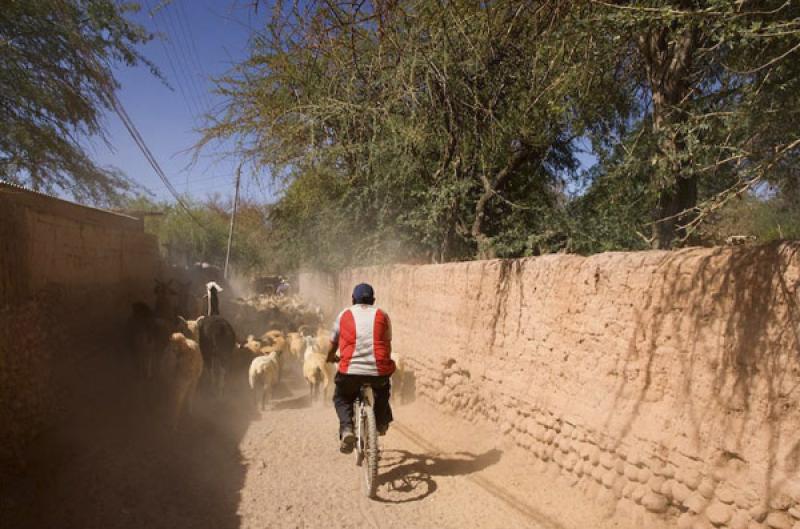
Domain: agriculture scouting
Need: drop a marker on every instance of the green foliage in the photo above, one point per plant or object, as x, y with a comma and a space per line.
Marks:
442, 131
182, 240
612, 215
430, 131
721, 81
55, 82
425, 129
766, 219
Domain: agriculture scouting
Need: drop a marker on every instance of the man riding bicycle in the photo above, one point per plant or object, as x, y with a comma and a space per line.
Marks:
363, 336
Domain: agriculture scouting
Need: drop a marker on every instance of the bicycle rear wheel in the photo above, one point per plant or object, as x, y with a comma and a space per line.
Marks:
370, 463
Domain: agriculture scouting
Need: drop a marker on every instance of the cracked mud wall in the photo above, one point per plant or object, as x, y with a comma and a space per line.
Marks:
663, 383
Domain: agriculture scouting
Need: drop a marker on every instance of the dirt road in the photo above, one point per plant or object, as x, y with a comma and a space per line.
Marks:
229, 467
297, 478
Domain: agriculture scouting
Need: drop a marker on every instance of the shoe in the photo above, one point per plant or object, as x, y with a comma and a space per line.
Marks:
347, 441
382, 429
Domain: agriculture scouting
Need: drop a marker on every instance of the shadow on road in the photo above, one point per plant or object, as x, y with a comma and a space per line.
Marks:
405, 476
114, 464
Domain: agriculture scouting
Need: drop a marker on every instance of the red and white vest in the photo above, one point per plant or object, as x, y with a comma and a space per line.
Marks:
364, 335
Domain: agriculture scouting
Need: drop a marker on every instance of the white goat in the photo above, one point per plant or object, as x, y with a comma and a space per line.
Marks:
296, 344
323, 339
181, 366
315, 369
263, 377
276, 342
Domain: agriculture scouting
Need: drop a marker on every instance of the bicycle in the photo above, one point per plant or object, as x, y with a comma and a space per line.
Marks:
367, 450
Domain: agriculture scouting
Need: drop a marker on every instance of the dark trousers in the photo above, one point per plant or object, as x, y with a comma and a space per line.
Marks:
347, 388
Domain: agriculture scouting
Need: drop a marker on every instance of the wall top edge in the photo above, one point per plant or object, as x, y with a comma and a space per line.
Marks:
33, 198
776, 247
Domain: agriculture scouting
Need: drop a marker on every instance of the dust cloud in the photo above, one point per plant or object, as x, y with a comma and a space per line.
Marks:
114, 462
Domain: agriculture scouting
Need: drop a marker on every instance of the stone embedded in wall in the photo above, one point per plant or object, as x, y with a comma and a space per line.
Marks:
739, 520
779, 520
780, 501
655, 502
719, 513
759, 512
639, 373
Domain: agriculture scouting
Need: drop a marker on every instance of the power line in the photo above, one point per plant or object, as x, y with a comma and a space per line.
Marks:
184, 60
210, 189
186, 25
139, 140
171, 64
208, 178
264, 195
188, 101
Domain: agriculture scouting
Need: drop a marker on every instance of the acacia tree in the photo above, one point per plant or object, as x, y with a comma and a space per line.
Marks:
719, 82
56, 79
184, 239
449, 128
439, 124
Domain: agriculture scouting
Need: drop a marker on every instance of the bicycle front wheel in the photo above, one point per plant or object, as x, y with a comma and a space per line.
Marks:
370, 463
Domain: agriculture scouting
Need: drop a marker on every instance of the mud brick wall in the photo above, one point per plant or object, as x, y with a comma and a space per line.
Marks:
68, 275
664, 384
320, 289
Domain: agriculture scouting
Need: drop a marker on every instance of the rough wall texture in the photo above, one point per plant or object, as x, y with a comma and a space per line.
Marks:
321, 289
67, 273
666, 383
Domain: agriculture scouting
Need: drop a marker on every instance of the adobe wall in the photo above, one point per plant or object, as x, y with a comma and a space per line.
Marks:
320, 289
68, 274
666, 383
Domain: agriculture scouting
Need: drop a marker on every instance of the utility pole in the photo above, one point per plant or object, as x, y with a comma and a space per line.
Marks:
233, 221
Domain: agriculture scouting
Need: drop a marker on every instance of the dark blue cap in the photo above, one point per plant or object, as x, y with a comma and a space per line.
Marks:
363, 293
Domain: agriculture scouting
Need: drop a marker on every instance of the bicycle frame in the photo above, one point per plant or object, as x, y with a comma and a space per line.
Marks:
365, 398
367, 447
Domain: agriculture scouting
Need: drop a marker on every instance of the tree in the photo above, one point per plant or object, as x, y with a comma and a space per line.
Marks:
56, 79
719, 82
450, 130
435, 127
181, 238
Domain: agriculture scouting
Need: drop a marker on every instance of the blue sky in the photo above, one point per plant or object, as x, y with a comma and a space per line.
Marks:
196, 40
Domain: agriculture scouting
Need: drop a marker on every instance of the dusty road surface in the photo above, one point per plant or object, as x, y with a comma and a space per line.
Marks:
229, 467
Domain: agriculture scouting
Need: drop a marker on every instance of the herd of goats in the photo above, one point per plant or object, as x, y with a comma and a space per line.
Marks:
177, 352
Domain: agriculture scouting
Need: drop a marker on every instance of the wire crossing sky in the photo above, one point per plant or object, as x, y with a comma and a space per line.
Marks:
195, 41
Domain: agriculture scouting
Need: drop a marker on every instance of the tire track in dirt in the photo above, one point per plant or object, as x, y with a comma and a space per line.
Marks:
298, 478
231, 468
490, 487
